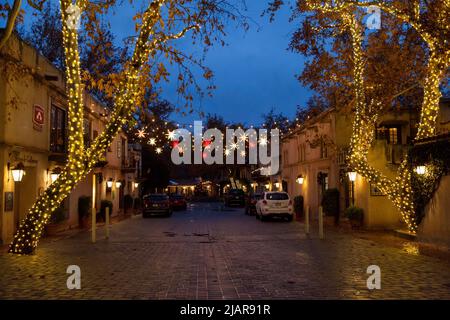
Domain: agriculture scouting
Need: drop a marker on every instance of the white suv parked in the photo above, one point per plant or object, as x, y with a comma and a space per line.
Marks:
274, 204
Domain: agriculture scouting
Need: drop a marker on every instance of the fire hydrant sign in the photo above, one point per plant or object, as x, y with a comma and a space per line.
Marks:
38, 117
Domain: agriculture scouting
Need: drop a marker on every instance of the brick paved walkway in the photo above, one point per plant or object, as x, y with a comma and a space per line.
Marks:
205, 253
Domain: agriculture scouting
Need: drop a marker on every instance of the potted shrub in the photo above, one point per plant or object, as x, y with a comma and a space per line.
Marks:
355, 215
103, 205
84, 211
57, 221
330, 204
298, 206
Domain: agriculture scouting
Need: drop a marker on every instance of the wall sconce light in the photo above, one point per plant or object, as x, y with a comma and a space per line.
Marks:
421, 170
277, 185
109, 183
300, 179
136, 185
18, 172
118, 184
352, 176
267, 185
55, 174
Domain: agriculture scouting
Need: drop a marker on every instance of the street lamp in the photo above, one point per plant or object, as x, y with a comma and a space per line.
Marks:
55, 174
18, 172
109, 183
300, 179
352, 178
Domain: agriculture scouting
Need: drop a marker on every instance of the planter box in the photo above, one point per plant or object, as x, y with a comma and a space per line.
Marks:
54, 228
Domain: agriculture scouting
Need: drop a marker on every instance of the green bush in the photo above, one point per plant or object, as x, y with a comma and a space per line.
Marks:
103, 205
128, 201
354, 213
59, 215
84, 207
330, 202
298, 204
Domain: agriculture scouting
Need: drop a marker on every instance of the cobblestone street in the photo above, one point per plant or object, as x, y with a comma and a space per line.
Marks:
209, 253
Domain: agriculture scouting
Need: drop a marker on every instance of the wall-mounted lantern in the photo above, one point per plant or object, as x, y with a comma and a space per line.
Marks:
300, 179
352, 176
18, 172
118, 184
421, 170
109, 183
55, 174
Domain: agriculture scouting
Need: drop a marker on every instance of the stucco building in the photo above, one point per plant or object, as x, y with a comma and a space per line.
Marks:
317, 152
33, 134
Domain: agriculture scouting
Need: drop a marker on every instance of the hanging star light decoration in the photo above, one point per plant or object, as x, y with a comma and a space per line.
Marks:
171, 135
152, 141
158, 150
263, 141
141, 133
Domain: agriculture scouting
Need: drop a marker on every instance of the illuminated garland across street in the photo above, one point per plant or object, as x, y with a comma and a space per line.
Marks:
82, 161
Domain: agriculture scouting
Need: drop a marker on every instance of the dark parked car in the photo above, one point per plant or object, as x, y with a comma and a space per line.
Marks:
156, 204
235, 197
178, 201
250, 204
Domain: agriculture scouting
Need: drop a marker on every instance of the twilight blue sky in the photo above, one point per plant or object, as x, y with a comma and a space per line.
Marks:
253, 73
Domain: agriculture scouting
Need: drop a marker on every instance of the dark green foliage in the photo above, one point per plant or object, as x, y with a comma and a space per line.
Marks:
59, 215
435, 155
330, 202
354, 213
103, 205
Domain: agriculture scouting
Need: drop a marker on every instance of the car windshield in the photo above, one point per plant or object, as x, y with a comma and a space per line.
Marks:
156, 197
277, 196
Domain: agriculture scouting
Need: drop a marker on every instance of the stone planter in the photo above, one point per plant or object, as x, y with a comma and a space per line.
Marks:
355, 224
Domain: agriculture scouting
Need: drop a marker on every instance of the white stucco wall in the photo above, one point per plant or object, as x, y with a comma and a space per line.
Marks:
435, 226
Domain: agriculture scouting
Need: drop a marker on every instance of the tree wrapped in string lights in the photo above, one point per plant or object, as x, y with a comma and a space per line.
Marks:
431, 22
201, 18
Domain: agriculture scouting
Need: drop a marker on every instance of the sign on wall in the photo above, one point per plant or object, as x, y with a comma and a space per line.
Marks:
38, 117
9, 201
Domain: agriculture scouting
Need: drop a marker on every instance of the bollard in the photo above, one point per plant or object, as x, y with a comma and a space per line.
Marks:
307, 221
94, 226
107, 222
320, 222
93, 211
